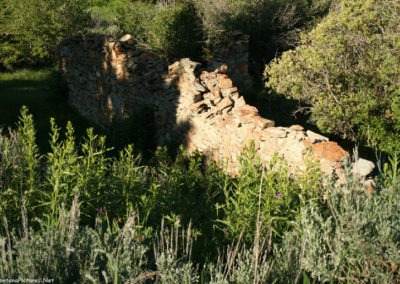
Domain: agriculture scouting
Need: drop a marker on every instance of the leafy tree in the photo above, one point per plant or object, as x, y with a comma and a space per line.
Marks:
347, 69
34, 28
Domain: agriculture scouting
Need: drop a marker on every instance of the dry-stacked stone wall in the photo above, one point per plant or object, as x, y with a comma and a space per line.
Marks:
110, 79
233, 51
203, 110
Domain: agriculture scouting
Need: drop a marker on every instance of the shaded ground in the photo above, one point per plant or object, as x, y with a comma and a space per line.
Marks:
44, 93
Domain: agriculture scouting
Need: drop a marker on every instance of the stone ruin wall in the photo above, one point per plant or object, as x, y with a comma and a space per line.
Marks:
233, 51
108, 79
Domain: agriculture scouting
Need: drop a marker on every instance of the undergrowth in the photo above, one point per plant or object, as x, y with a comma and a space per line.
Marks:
79, 213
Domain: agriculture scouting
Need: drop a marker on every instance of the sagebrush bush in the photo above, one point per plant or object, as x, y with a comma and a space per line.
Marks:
240, 263
66, 252
353, 237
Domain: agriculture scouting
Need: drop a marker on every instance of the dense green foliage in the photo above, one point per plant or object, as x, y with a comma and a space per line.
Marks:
271, 196
78, 213
31, 30
347, 70
273, 25
172, 30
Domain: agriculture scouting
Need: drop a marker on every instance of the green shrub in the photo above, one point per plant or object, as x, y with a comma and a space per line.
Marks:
273, 25
353, 238
106, 16
172, 30
20, 163
188, 28
11, 52
346, 71
37, 26
271, 196
391, 172
186, 190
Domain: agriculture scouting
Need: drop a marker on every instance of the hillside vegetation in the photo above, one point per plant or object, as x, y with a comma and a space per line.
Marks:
86, 209
31, 29
77, 213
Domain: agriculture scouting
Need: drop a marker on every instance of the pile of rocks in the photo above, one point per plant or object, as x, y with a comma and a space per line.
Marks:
203, 110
